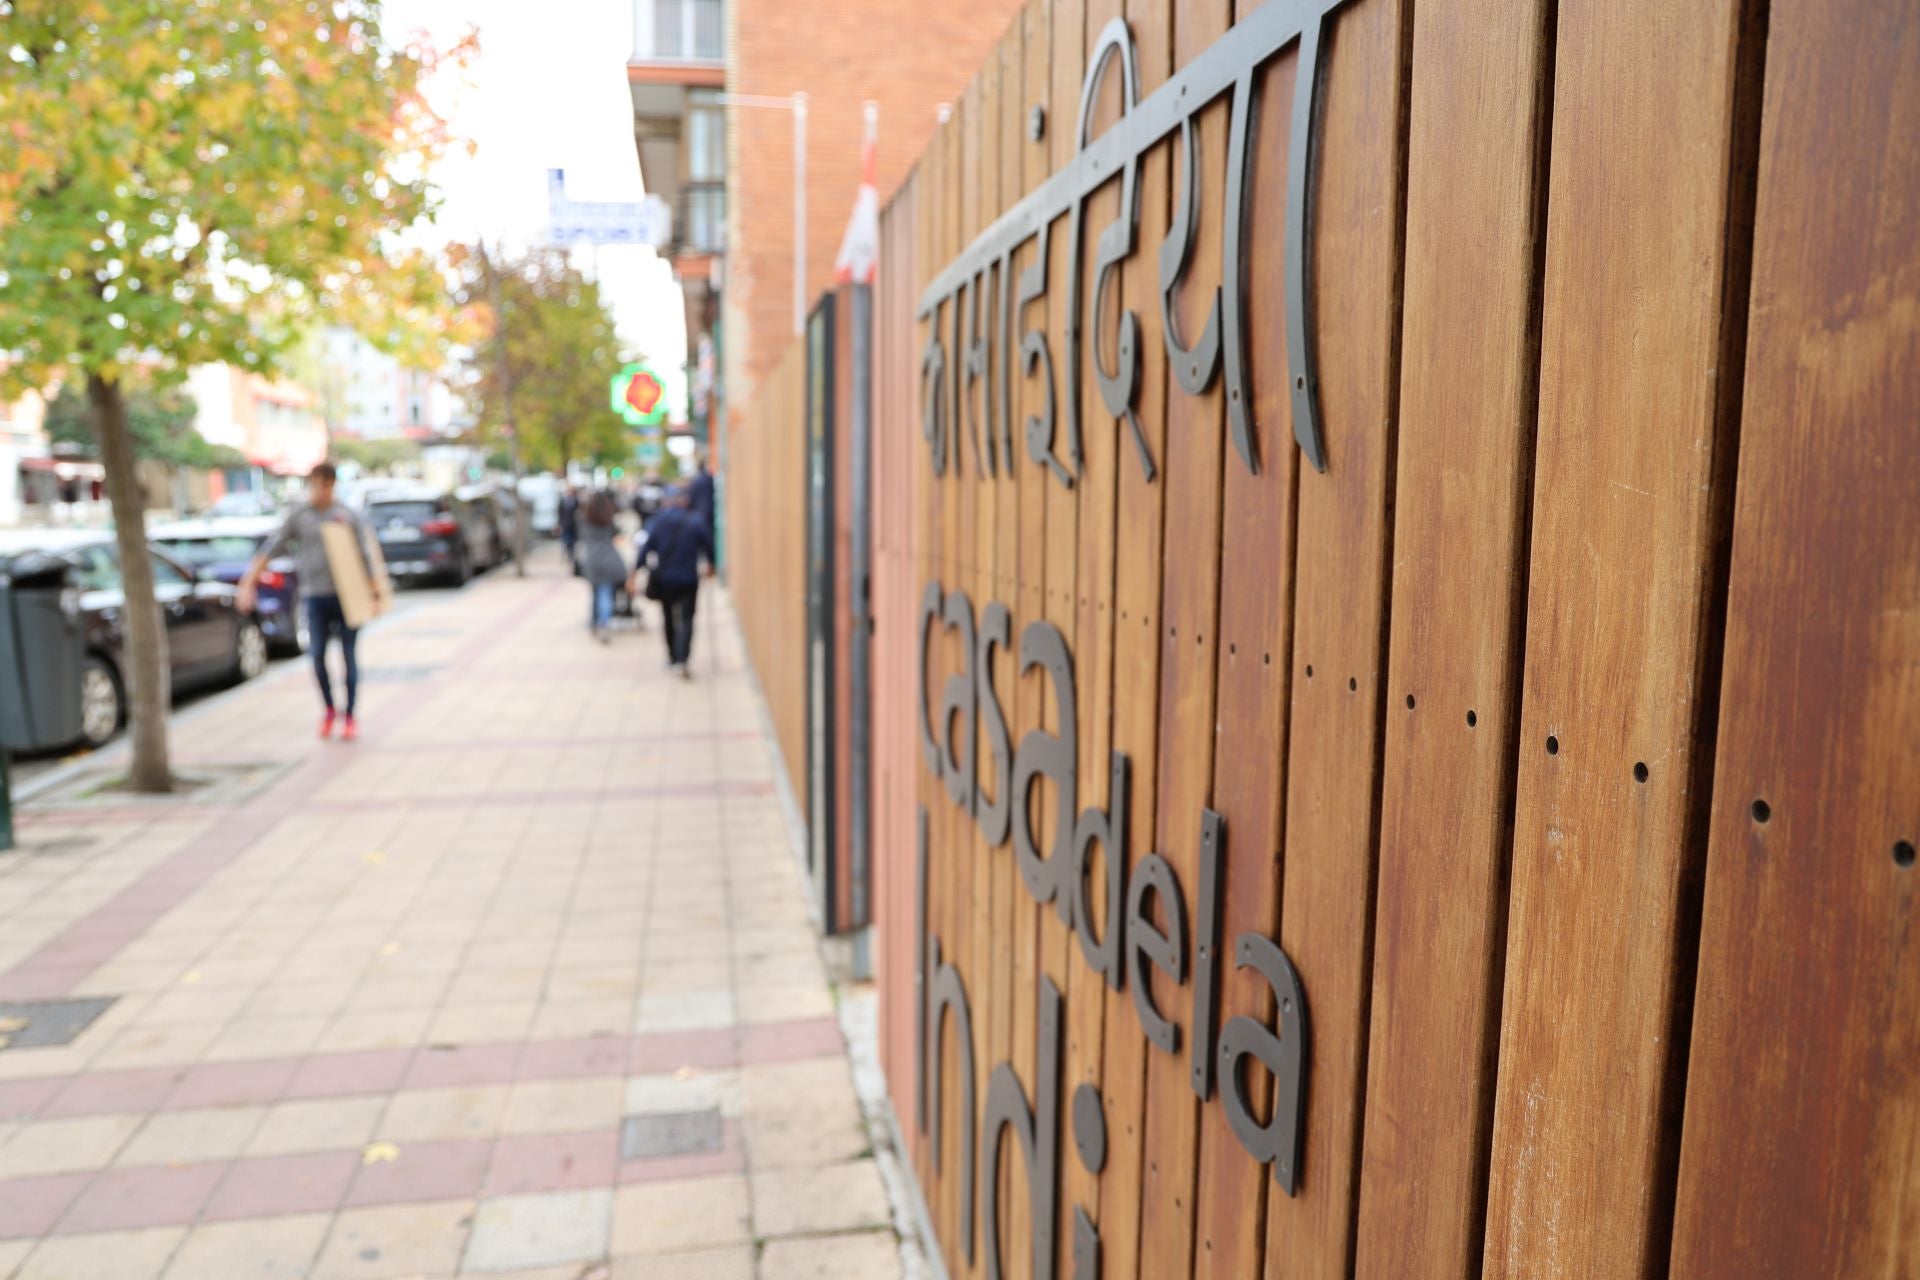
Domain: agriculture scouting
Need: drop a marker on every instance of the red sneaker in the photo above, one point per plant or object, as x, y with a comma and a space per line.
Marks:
326, 724
349, 731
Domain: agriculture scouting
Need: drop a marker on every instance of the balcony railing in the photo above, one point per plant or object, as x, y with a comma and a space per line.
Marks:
679, 30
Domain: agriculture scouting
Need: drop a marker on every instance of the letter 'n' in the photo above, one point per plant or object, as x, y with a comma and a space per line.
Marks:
938, 996
1037, 1128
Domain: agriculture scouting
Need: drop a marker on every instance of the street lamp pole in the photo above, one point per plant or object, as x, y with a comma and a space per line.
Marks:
797, 104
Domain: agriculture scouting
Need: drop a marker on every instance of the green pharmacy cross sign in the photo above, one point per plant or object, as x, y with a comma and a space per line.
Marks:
639, 396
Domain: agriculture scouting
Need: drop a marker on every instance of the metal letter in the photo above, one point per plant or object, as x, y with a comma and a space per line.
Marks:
950, 995
1037, 1129
958, 766
1206, 968
1279, 1141
993, 812
929, 615
1110, 830
1043, 754
1145, 942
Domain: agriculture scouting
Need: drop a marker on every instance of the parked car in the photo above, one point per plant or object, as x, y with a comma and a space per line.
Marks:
424, 537
209, 641
221, 550
241, 503
485, 515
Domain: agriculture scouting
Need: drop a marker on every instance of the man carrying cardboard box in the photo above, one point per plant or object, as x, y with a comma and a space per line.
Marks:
342, 582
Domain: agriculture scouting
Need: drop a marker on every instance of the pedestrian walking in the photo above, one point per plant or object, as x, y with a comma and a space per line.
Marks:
677, 554
600, 562
569, 521
325, 618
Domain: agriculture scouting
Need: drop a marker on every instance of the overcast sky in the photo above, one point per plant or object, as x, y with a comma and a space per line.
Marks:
549, 91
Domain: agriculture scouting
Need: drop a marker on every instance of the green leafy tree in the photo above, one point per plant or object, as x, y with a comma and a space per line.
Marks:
183, 181
559, 346
159, 419
377, 456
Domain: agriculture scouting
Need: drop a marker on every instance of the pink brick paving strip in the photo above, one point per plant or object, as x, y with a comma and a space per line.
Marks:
326, 1181
357, 1072
66, 959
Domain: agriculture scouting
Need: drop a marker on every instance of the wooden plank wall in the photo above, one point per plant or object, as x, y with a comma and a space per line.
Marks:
1566, 730
899, 462
767, 551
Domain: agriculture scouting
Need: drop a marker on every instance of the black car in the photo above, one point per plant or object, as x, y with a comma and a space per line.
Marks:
209, 641
221, 550
425, 535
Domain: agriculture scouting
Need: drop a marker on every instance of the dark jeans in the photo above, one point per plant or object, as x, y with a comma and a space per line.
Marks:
676, 605
324, 617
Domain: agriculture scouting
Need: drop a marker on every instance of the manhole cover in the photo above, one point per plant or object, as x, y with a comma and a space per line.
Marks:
400, 673
43, 1024
671, 1133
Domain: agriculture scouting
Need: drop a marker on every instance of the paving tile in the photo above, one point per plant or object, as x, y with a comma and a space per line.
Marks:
154, 1196
195, 1004
424, 1171
471, 1064
21, 1099
433, 1115
558, 1059
120, 1255
13, 1253
563, 1106
551, 1162
250, 1037
784, 1002
30, 1206
318, 1124
378, 1029
669, 1217
281, 999
159, 1046
192, 1136
267, 1186
219, 1084
683, 1011
513, 1232
66, 1146
734, 1262
280, 1248
340, 1074
867, 1255
689, 1090
790, 1041
395, 1240
583, 1018
809, 1201
475, 1023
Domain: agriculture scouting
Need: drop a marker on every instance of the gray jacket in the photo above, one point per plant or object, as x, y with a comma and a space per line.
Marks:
301, 530
599, 561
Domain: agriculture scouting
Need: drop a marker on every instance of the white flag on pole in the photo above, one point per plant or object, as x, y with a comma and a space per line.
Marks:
860, 247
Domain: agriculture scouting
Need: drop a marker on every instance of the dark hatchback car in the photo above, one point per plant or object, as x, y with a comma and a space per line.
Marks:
221, 550
209, 641
425, 536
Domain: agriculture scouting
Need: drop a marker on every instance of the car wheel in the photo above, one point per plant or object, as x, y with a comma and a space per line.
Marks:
462, 572
249, 650
102, 704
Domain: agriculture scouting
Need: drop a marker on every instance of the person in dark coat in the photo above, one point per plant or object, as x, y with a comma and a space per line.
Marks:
600, 562
677, 554
569, 519
700, 492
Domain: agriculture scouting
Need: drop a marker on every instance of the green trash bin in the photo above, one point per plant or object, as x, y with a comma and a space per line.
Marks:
42, 648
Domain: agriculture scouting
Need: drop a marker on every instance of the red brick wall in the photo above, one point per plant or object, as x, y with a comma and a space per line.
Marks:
908, 56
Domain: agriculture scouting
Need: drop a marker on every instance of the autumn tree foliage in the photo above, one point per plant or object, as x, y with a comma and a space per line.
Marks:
187, 181
544, 350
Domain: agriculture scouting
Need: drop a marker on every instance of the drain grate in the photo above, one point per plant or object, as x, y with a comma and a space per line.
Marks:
46, 1024
670, 1133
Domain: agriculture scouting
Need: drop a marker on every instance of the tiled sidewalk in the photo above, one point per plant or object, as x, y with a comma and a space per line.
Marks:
522, 983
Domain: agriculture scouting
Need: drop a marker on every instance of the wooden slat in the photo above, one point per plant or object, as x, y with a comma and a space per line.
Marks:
1029, 606
1196, 434
1136, 658
1803, 1105
1475, 175
1340, 621
1632, 476
1058, 952
1093, 617
1256, 627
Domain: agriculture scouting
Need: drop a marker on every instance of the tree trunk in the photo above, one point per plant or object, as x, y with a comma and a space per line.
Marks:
144, 665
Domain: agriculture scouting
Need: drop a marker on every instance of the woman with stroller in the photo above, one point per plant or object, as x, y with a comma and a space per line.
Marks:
600, 562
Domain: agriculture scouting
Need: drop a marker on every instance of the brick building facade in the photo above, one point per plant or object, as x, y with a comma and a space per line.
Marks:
908, 57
